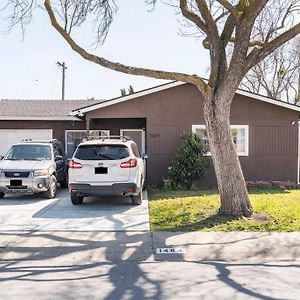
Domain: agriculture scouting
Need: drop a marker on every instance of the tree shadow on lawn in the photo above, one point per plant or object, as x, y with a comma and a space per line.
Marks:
173, 194
268, 191
205, 223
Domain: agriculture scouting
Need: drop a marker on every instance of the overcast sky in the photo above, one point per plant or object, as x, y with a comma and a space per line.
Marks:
137, 37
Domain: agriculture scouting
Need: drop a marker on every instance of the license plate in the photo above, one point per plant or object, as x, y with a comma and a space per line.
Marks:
16, 183
101, 170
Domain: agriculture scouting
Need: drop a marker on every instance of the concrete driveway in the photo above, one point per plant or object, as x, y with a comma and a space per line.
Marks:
34, 212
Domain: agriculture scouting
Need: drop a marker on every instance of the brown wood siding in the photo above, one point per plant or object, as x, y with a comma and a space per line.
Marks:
272, 152
273, 139
164, 140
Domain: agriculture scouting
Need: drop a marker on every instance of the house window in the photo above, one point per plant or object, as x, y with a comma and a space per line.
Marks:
240, 136
74, 138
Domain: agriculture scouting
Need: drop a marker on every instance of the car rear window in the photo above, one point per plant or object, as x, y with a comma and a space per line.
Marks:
101, 152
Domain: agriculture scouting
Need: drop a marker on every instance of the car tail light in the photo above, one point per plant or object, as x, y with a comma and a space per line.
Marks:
130, 190
131, 163
74, 164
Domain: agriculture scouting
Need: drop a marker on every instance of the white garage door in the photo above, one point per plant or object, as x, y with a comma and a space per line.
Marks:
8, 137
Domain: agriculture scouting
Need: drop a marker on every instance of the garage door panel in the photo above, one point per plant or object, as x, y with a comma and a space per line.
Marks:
8, 137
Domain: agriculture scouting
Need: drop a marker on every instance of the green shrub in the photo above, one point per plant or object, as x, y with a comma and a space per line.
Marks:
189, 165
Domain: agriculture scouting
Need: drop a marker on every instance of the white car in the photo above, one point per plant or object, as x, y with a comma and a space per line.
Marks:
106, 167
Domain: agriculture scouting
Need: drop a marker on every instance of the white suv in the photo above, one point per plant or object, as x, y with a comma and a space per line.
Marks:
105, 166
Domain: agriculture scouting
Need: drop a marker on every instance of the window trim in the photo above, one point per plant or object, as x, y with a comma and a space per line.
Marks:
80, 130
245, 127
143, 137
66, 137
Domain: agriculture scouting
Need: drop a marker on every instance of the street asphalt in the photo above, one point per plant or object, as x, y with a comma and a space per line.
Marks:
44, 256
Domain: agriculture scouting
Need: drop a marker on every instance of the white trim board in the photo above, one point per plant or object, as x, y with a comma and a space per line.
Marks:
298, 158
143, 137
52, 118
163, 87
107, 131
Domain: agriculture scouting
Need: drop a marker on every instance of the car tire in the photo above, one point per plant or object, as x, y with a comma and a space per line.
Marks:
64, 184
52, 190
2, 195
76, 200
136, 199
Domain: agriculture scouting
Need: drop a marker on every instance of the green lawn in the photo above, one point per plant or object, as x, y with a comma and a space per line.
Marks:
197, 211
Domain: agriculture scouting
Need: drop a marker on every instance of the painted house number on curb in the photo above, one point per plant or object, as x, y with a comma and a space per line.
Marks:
169, 250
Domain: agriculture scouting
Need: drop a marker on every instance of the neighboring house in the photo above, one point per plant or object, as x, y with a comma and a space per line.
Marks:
39, 119
265, 131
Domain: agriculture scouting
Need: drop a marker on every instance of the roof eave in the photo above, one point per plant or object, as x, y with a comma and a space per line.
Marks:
35, 118
86, 109
269, 100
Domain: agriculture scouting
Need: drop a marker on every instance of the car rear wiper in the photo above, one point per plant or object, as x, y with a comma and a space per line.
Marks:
105, 156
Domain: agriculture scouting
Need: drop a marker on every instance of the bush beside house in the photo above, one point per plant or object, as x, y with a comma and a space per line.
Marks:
190, 163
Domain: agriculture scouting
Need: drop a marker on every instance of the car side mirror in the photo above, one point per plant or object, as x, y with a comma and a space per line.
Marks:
58, 158
144, 156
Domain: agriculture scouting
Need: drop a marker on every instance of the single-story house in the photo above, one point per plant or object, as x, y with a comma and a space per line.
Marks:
265, 131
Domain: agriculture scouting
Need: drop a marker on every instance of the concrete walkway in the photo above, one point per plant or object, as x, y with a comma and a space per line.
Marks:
230, 246
144, 246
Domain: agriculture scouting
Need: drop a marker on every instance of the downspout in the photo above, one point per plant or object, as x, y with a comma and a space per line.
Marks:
298, 162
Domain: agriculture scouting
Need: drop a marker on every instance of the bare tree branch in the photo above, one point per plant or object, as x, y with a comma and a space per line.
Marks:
277, 75
230, 8
158, 74
192, 16
256, 7
20, 13
257, 55
208, 18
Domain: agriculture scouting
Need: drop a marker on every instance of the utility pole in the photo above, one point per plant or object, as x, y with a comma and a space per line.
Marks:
63, 65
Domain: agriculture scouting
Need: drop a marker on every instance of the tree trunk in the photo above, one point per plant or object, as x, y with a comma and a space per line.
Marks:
231, 182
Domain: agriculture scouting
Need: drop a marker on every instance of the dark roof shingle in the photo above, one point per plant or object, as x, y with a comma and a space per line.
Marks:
42, 109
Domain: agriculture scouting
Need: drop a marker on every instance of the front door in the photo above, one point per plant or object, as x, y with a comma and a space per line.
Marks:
137, 135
